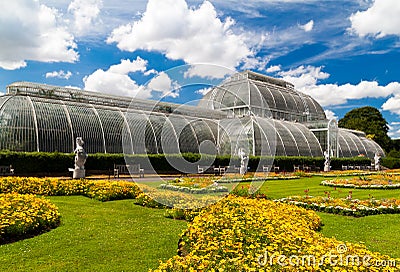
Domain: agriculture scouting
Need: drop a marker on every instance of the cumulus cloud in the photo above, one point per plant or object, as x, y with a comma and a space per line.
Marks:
163, 85
306, 80
32, 31
273, 69
393, 104
394, 130
59, 74
381, 19
394, 133
304, 76
308, 26
193, 35
116, 80
85, 13
204, 91
330, 115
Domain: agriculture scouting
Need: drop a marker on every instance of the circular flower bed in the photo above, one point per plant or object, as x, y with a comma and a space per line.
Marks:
343, 173
350, 207
194, 186
22, 216
371, 182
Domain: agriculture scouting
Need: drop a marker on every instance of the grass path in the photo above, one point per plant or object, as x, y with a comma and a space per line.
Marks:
97, 236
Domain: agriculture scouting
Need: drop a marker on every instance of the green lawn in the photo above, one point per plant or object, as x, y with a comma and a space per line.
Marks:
379, 232
121, 236
283, 188
97, 236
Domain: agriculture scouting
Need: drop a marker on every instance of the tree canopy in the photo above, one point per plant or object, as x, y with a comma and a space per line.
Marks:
369, 120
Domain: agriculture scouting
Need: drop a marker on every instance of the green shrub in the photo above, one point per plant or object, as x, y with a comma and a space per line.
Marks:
391, 163
48, 164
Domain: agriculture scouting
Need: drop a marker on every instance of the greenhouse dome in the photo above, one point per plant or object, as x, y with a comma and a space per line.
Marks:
263, 96
263, 115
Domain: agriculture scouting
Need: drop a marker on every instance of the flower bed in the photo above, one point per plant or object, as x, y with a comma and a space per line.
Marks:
22, 216
194, 186
153, 198
381, 181
102, 190
350, 207
241, 234
233, 179
343, 173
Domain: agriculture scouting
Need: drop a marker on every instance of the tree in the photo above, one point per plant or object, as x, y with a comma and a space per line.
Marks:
369, 120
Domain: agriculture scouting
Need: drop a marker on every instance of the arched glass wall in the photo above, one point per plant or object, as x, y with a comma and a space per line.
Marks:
352, 145
36, 117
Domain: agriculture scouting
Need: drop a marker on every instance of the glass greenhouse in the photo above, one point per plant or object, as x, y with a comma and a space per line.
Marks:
263, 115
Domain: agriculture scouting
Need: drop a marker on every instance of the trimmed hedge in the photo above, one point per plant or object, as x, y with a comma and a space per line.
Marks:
48, 164
37, 162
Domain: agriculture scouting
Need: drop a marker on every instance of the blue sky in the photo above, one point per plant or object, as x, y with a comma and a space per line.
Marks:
345, 54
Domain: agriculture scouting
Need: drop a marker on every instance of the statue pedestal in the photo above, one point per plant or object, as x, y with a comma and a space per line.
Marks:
327, 168
242, 170
78, 173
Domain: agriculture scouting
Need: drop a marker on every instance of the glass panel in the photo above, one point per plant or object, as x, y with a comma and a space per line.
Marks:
17, 126
86, 124
53, 127
288, 140
113, 123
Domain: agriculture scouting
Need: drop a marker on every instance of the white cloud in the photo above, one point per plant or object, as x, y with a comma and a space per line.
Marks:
393, 104
330, 115
204, 91
180, 32
333, 94
163, 84
381, 19
306, 79
32, 31
116, 80
59, 74
304, 76
308, 26
394, 132
209, 71
85, 13
273, 69
127, 66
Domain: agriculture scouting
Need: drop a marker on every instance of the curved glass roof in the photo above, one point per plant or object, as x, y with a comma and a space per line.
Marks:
354, 143
263, 96
38, 117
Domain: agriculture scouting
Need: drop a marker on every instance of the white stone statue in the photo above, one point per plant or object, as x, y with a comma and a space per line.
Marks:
377, 161
80, 159
244, 160
327, 163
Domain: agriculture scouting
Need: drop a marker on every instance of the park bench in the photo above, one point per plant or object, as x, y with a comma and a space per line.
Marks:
6, 170
220, 170
266, 168
123, 169
217, 170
